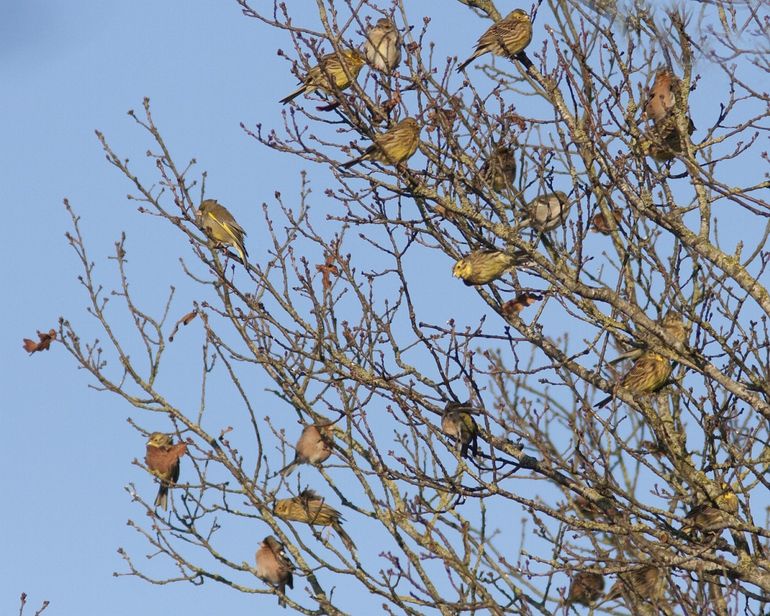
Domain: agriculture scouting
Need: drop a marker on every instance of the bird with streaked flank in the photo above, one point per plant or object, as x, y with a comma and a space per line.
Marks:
484, 266
220, 226
506, 38
642, 584
499, 169
714, 516
382, 47
392, 147
274, 566
332, 73
458, 423
651, 370
313, 447
310, 508
162, 460
586, 588
547, 212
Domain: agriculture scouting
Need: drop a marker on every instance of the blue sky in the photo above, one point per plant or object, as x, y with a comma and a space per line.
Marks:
66, 70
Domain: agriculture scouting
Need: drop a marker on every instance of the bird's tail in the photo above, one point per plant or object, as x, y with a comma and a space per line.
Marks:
355, 161
161, 500
461, 67
289, 468
603, 403
346, 539
293, 95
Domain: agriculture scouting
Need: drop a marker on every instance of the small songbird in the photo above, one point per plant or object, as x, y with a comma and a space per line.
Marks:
506, 38
663, 141
547, 212
600, 224
484, 266
382, 48
661, 98
458, 423
710, 517
650, 371
586, 588
162, 459
313, 447
499, 170
274, 566
218, 223
331, 73
43, 343
392, 147
310, 508
644, 584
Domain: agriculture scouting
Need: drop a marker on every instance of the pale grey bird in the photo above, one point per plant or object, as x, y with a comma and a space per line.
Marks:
547, 212
313, 447
382, 48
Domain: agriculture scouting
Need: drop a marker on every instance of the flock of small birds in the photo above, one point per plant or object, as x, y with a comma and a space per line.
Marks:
649, 372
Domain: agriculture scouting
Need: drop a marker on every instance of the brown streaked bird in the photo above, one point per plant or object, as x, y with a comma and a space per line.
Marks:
547, 212
333, 72
310, 508
484, 266
457, 422
382, 47
499, 169
651, 370
506, 38
392, 147
663, 141
162, 459
586, 588
274, 566
661, 98
644, 584
314, 446
43, 343
709, 517
219, 225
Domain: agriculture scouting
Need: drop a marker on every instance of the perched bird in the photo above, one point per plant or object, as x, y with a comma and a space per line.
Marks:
506, 38
333, 72
663, 141
519, 303
394, 146
162, 459
458, 423
218, 223
313, 447
309, 507
499, 170
586, 588
651, 370
646, 583
600, 224
274, 567
484, 266
547, 212
661, 98
382, 48
709, 517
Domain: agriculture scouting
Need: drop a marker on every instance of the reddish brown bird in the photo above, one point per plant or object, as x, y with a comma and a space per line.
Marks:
162, 459
274, 567
313, 447
43, 344
661, 98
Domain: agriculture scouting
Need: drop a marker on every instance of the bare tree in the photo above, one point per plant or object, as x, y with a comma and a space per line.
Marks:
527, 496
